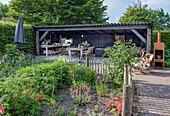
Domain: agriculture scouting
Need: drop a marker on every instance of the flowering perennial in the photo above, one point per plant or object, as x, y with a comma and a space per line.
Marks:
115, 103
101, 85
1, 108
39, 97
80, 94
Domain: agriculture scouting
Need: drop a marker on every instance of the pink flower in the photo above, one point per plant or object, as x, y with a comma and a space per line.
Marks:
85, 92
71, 89
116, 98
71, 71
107, 104
1, 108
76, 91
36, 99
107, 99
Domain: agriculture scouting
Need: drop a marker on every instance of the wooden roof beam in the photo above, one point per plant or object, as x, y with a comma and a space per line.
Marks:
139, 35
95, 28
43, 36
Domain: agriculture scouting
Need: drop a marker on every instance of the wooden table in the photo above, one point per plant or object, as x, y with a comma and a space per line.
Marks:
76, 49
54, 46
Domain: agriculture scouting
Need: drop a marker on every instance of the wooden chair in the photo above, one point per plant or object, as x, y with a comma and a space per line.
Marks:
144, 63
88, 52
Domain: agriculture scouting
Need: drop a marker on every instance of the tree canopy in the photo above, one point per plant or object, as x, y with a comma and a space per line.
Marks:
141, 13
59, 11
3, 10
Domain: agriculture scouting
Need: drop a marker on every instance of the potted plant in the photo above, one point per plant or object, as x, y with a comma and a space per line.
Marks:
85, 44
47, 42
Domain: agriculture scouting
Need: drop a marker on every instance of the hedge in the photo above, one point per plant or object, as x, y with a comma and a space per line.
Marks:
165, 37
7, 34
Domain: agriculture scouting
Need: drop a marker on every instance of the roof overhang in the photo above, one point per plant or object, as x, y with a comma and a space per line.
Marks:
96, 27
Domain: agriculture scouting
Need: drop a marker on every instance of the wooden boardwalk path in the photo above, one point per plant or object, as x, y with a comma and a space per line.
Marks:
154, 92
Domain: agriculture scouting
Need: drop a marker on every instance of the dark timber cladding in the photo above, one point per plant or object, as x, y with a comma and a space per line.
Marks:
98, 35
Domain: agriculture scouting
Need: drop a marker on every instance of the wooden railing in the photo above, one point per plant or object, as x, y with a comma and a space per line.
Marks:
127, 92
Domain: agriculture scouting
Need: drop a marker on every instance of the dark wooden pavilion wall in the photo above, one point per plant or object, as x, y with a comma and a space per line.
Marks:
100, 41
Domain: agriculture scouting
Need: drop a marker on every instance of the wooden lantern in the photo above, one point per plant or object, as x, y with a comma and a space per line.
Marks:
158, 53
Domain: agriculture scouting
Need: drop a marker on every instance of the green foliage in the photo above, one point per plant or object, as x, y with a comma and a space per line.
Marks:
60, 111
118, 55
165, 37
140, 13
101, 85
12, 61
3, 10
7, 35
21, 90
85, 74
50, 12
74, 112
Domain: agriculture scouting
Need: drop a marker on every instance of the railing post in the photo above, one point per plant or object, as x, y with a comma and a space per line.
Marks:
87, 61
126, 111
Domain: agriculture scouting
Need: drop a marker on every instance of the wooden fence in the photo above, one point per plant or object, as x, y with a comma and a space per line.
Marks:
92, 62
127, 92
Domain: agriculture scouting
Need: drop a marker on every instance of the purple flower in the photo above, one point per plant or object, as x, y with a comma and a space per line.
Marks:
95, 100
1, 98
105, 77
101, 77
45, 78
95, 77
26, 77
33, 73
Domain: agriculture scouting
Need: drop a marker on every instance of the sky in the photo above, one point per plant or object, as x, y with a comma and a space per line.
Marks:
116, 8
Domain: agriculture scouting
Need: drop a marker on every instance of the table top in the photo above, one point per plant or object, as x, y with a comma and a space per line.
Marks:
77, 48
52, 46
23, 47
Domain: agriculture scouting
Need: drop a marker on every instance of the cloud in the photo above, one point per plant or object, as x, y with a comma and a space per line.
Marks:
157, 4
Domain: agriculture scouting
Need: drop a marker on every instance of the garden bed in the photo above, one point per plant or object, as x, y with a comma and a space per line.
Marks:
68, 103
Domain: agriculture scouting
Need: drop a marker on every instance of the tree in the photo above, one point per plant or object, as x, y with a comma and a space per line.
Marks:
3, 10
140, 13
59, 11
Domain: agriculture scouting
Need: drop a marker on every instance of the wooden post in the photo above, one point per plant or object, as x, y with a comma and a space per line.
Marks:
125, 104
37, 44
125, 73
148, 49
130, 89
87, 61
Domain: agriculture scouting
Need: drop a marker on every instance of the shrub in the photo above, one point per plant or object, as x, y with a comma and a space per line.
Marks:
21, 91
7, 35
118, 55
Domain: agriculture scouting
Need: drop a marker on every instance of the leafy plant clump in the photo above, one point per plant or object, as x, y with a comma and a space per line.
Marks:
118, 55
101, 85
33, 86
80, 94
115, 103
12, 60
